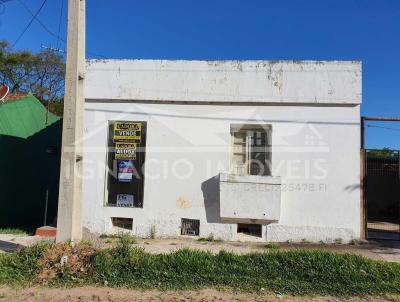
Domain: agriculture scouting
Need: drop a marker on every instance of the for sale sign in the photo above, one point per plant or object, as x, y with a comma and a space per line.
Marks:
125, 200
125, 151
127, 131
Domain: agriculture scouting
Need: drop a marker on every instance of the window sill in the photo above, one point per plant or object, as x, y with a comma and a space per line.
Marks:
258, 179
115, 206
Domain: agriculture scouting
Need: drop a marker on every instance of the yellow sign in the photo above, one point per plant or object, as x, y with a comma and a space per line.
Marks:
127, 131
125, 151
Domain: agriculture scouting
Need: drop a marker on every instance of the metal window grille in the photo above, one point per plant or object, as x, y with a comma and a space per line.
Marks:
190, 227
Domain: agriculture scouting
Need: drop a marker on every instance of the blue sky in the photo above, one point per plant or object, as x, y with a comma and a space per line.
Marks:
367, 30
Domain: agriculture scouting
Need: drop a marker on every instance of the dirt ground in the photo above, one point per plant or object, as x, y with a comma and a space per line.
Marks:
387, 250
83, 294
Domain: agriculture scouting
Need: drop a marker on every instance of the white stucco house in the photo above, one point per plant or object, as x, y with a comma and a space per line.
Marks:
242, 150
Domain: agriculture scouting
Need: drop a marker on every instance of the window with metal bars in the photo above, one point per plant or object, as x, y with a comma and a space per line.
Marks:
190, 227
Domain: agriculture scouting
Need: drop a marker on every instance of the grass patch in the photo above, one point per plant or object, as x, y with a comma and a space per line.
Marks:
304, 272
339, 241
124, 237
272, 245
13, 231
22, 266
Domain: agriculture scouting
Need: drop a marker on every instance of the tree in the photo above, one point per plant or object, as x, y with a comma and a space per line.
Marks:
385, 152
42, 73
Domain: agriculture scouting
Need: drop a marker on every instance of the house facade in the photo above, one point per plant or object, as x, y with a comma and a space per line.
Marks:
239, 150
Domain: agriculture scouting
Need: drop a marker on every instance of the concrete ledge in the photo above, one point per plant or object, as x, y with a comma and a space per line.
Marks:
257, 179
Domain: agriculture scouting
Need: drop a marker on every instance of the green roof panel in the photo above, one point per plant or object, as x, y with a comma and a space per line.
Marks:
25, 117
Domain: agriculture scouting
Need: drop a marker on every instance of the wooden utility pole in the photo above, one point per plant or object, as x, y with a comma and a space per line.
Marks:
69, 221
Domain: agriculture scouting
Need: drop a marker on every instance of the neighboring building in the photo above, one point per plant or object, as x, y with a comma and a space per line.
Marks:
29, 161
242, 150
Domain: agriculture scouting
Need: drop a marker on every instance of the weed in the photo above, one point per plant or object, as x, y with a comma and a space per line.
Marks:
153, 232
123, 236
111, 236
13, 231
354, 242
209, 238
339, 240
22, 266
304, 240
272, 246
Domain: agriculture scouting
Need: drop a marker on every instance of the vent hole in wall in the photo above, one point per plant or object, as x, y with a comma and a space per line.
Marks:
122, 223
190, 227
250, 229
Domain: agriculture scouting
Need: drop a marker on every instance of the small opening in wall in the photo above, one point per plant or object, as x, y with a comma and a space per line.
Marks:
250, 229
123, 223
190, 227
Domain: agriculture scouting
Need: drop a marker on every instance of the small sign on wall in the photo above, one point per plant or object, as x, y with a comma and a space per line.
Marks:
125, 151
125, 171
125, 200
127, 132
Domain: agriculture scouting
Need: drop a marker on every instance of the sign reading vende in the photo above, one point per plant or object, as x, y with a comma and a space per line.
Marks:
125, 151
127, 131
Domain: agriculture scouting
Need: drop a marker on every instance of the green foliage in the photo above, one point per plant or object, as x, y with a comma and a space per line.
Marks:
23, 265
385, 152
294, 272
209, 238
40, 73
55, 106
339, 240
153, 232
354, 242
126, 238
272, 245
13, 231
285, 272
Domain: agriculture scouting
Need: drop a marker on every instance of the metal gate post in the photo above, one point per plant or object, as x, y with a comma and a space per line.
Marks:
363, 204
398, 202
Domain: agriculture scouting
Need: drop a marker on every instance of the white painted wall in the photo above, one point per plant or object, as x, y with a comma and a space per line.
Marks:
225, 81
315, 141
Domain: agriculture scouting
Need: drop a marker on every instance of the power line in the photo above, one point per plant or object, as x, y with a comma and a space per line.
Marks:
57, 36
387, 128
29, 24
59, 23
37, 19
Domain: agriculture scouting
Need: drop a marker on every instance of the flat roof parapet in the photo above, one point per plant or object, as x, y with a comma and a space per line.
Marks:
259, 82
